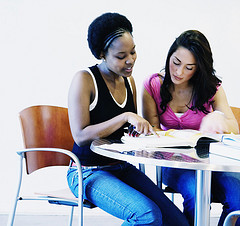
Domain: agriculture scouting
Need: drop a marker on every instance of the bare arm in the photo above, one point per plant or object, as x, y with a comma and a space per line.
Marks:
216, 122
81, 93
134, 91
149, 109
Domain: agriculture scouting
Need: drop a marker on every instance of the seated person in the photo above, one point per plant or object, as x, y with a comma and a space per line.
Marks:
188, 95
102, 101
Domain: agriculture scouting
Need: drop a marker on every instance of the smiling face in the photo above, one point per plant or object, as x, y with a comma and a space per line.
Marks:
182, 66
121, 55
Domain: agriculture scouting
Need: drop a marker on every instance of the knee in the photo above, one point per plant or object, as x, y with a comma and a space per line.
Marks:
154, 216
232, 198
148, 215
188, 189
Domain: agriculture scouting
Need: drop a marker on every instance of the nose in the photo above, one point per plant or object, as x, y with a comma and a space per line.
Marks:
179, 71
130, 60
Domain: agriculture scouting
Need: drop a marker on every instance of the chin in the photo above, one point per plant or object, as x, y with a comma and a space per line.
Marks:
126, 74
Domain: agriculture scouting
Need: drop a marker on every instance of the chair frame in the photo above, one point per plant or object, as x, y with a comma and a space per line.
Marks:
63, 201
40, 153
231, 218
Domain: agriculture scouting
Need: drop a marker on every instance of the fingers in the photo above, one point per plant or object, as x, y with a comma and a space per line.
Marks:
141, 129
214, 123
153, 131
132, 132
139, 125
213, 128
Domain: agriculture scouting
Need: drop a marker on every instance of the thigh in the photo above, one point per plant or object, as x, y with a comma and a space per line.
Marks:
226, 188
138, 180
107, 191
181, 180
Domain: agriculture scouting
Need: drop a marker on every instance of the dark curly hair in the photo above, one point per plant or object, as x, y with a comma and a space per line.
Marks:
103, 28
204, 80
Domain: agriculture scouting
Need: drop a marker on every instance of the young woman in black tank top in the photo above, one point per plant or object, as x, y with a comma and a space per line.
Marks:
101, 103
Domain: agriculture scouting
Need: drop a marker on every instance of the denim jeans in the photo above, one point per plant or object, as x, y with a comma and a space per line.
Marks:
225, 189
125, 192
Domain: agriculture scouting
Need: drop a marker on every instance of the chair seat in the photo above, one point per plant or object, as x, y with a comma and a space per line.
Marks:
64, 194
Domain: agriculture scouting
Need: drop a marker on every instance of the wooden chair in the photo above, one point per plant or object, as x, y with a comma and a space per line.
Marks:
236, 112
48, 142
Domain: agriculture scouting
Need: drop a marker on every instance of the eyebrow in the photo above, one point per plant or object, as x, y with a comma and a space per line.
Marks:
181, 61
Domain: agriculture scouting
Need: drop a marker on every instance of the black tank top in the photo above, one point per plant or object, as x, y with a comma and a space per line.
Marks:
105, 109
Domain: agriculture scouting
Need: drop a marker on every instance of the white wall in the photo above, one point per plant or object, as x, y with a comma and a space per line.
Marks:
43, 43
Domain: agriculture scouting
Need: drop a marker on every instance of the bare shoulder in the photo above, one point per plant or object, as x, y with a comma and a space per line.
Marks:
82, 85
219, 94
157, 76
161, 76
83, 75
82, 78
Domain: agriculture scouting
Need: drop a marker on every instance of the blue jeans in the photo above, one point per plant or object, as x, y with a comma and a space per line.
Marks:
125, 192
225, 189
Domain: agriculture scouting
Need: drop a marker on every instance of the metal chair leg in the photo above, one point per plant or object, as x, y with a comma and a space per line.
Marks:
159, 176
11, 216
142, 167
159, 181
71, 216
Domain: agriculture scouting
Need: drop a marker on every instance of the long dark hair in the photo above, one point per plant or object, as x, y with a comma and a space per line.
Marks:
204, 80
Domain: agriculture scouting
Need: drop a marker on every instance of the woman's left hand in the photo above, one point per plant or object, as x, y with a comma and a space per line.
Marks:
214, 122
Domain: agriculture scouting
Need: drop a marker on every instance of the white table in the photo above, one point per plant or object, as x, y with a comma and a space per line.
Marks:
200, 161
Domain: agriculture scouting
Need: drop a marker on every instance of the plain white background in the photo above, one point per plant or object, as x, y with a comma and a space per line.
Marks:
43, 43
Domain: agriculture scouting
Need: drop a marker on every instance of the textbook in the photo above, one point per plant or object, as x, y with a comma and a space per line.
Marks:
228, 147
232, 140
186, 138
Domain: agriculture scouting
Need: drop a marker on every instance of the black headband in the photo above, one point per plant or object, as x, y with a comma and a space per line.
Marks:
115, 34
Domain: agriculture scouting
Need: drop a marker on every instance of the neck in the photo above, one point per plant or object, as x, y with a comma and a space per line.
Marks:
108, 74
181, 87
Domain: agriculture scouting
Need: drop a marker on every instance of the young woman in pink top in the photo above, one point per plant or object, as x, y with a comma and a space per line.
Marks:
188, 95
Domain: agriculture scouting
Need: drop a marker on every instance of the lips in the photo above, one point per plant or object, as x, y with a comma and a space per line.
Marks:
128, 70
177, 78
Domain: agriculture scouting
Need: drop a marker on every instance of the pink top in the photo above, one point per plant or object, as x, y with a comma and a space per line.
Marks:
168, 120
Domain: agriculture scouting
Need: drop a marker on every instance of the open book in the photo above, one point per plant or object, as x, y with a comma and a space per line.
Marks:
185, 138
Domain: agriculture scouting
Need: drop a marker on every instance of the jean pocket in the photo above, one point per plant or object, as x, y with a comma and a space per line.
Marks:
87, 173
72, 175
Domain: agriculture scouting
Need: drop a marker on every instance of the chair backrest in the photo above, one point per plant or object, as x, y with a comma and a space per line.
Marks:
45, 127
236, 112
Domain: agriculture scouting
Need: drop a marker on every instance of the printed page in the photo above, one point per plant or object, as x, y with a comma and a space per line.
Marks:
153, 141
170, 138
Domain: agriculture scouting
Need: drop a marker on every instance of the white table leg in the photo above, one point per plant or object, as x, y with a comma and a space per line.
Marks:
202, 203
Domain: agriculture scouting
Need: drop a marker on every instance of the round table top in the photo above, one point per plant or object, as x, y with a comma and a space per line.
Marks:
184, 158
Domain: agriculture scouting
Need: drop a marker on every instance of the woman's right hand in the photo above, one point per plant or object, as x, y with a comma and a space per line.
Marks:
139, 124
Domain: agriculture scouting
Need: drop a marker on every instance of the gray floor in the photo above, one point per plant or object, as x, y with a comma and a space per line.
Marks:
49, 220
38, 220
